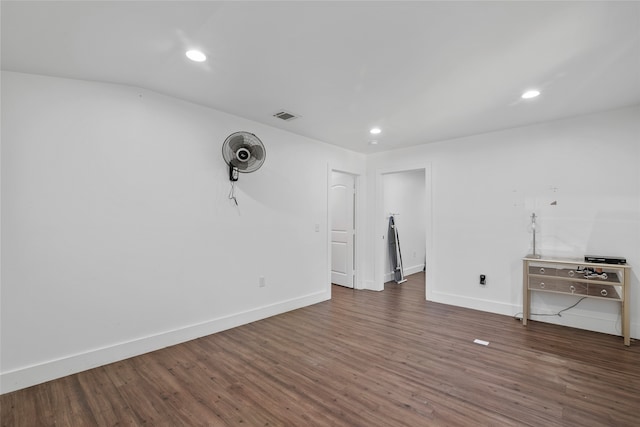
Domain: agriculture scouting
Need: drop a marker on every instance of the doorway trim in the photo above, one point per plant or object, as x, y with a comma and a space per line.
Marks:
380, 226
357, 262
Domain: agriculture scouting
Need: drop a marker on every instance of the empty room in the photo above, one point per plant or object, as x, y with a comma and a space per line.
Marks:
320, 213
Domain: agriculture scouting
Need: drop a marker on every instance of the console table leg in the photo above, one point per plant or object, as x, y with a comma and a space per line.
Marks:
525, 292
626, 326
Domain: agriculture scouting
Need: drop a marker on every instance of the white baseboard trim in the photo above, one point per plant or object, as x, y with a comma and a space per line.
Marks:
413, 269
388, 277
36, 374
580, 320
370, 285
473, 303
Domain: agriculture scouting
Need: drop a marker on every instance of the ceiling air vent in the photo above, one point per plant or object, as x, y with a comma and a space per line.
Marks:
285, 115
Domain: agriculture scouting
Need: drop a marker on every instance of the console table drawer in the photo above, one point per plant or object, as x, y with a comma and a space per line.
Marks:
542, 271
567, 272
543, 283
556, 285
573, 288
603, 291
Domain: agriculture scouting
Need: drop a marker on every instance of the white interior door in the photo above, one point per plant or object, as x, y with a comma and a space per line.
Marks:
342, 228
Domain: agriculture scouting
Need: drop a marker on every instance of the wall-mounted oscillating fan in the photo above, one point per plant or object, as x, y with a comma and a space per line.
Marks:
243, 152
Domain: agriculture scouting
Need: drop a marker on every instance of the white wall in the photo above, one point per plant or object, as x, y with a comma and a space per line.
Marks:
118, 237
404, 194
117, 234
484, 189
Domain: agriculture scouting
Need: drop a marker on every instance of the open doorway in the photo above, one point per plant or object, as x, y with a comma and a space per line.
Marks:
342, 220
404, 197
405, 188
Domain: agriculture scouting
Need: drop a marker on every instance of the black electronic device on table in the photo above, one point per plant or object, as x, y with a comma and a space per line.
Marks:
605, 259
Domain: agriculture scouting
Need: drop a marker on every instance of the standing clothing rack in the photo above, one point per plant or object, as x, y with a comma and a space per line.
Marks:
395, 254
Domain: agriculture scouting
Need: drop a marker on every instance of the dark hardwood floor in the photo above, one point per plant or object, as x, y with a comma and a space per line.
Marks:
362, 359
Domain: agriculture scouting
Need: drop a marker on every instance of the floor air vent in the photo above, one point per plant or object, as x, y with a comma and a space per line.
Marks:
285, 115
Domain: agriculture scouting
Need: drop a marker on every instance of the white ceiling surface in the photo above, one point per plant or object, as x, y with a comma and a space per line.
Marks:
421, 71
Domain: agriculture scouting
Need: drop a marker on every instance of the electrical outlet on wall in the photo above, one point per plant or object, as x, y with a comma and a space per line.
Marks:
262, 282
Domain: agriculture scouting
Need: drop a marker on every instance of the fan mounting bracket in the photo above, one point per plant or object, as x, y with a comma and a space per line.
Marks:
233, 173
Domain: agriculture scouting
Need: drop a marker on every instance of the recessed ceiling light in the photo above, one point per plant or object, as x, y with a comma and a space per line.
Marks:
530, 94
374, 142
196, 55
375, 131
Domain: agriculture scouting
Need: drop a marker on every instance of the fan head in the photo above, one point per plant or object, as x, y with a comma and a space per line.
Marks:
244, 151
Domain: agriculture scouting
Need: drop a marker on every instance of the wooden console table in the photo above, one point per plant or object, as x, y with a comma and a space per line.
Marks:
568, 276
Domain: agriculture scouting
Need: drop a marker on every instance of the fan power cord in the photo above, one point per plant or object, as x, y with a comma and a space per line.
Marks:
559, 314
232, 193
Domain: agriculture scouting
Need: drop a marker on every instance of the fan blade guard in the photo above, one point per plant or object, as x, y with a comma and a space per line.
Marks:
244, 151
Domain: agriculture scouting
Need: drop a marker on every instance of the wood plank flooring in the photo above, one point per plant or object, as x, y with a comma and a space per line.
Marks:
362, 359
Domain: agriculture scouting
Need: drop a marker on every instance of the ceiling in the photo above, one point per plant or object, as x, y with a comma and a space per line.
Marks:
421, 71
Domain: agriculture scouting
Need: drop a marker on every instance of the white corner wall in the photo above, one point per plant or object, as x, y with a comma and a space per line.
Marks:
404, 194
484, 189
118, 236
